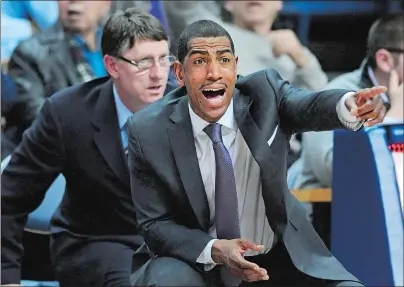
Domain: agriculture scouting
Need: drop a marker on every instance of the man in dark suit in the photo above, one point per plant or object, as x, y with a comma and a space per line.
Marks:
208, 172
81, 133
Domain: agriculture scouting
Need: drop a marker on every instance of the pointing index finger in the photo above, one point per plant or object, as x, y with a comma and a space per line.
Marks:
367, 94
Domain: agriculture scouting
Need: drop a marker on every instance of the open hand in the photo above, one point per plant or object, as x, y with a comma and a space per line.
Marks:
366, 104
230, 253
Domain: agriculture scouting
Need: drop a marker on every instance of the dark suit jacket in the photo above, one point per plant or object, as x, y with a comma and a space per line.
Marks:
76, 134
167, 189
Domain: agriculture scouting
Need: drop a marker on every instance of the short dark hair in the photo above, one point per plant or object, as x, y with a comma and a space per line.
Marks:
124, 28
200, 29
385, 33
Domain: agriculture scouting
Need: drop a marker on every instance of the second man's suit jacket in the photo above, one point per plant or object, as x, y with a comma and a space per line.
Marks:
76, 134
167, 188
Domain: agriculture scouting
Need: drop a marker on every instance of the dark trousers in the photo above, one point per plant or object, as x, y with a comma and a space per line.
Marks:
90, 262
36, 262
166, 271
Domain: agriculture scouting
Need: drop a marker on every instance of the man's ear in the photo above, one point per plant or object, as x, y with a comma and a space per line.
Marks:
179, 73
110, 66
384, 60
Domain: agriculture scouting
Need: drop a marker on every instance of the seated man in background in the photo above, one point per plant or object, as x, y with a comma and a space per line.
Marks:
81, 133
259, 47
383, 66
67, 54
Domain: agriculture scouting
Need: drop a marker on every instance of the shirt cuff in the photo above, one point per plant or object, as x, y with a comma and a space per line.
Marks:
349, 121
206, 256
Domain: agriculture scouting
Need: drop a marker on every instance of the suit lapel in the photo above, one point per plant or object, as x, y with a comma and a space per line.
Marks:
257, 142
183, 147
107, 134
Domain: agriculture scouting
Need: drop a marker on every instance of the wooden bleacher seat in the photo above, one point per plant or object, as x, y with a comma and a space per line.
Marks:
313, 195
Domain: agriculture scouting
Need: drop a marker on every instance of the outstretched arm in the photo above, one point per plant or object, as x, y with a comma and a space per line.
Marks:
301, 110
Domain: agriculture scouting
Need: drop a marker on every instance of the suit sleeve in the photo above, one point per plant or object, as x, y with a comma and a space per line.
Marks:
154, 207
301, 110
33, 167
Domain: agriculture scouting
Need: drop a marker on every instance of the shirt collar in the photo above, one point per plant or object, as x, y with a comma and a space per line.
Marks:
121, 110
227, 120
83, 45
372, 77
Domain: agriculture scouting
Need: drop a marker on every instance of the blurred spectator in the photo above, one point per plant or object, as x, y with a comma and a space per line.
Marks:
18, 19
257, 45
383, 66
67, 54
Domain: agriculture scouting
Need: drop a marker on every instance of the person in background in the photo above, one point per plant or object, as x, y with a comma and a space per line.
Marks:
64, 55
382, 66
20, 19
259, 46
81, 133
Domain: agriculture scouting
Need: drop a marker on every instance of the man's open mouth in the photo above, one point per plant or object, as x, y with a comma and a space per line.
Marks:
214, 95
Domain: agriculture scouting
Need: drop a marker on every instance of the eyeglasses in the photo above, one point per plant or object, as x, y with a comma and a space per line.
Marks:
146, 64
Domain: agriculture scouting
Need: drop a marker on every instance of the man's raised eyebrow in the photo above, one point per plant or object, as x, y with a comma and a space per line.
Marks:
224, 51
196, 51
204, 52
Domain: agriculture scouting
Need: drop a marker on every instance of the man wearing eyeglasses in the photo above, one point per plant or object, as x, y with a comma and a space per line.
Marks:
81, 133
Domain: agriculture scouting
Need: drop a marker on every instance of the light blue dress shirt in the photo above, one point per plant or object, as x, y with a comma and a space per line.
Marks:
123, 115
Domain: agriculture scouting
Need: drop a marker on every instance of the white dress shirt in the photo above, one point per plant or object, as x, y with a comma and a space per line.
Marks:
254, 225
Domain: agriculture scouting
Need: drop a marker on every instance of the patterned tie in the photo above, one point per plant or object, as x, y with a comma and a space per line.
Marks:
226, 204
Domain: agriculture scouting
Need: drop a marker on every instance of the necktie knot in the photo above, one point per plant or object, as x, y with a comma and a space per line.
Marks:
214, 132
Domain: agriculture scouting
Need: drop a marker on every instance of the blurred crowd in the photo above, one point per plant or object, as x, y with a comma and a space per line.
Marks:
47, 46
